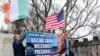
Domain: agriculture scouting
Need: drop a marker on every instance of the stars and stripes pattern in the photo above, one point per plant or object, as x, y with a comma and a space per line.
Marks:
54, 22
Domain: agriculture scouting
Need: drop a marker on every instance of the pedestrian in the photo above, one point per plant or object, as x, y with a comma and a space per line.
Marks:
19, 49
71, 53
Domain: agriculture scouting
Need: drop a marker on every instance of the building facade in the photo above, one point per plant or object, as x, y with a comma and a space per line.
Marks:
87, 48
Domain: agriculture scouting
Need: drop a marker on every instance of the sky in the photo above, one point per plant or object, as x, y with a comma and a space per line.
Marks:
2, 24
81, 31
59, 3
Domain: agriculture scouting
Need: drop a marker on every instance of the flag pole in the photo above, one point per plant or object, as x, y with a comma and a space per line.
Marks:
9, 1
65, 31
65, 20
67, 37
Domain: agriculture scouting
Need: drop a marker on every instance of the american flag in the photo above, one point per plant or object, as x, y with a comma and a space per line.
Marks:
54, 22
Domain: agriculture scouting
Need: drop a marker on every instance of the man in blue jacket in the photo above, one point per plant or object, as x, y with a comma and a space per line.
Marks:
19, 49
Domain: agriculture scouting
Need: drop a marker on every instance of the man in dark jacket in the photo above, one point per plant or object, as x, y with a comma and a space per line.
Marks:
30, 49
61, 46
19, 49
71, 53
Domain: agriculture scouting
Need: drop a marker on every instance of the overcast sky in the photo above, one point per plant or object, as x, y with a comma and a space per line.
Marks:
81, 31
59, 3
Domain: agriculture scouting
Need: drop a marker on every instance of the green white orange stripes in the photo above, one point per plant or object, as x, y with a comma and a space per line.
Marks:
18, 9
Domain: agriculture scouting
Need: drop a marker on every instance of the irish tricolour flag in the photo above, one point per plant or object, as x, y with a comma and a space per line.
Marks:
18, 10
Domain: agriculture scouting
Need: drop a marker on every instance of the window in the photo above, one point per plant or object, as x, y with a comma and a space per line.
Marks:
97, 54
90, 47
96, 46
85, 47
90, 53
